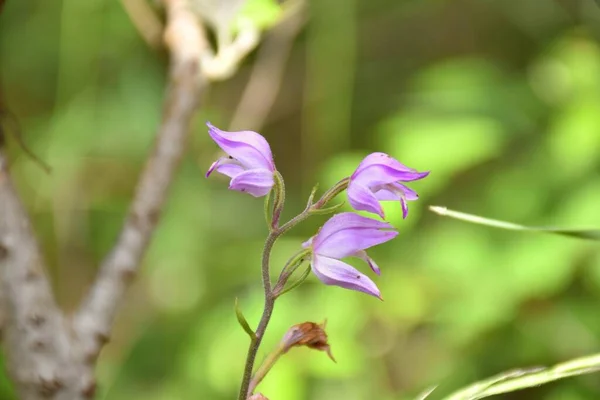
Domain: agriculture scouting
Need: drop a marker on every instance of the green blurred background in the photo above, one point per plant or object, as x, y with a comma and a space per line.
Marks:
500, 99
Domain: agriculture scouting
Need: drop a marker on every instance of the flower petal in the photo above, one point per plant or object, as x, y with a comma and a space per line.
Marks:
395, 191
347, 233
386, 194
226, 166
308, 243
335, 272
365, 257
257, 182
404, 208
380, 168
347, 220
348, 241
231, 170
382, 158
249, 148
379, 174
362, 198
409, 194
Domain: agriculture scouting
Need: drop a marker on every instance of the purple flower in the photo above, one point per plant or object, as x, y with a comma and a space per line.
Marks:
343, 235
249, 163
378, 178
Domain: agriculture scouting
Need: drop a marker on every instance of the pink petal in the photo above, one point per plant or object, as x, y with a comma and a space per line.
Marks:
387, 195
225, 166
404, 208
346, 220
362, 198
382, 158
394, 192
380, 168
349, 241
379, 174
308, 243
335, 272
230, 170
257, 182
365, 257
409, 194
249, 148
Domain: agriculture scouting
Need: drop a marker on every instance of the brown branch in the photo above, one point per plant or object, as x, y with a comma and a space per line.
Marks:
185, 40
45, 355
35, 335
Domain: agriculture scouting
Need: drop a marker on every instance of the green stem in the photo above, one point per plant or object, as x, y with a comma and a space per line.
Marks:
265, 367
266, 316
269, 299
274, 234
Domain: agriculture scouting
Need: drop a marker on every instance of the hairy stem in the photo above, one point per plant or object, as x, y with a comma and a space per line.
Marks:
266, 316
270, 296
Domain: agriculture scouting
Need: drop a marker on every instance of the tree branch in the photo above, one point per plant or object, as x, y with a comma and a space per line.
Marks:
48, 357
35, 337
186, 42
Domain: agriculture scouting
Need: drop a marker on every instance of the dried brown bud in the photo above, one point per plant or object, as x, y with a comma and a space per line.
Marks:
307, 334
257, 396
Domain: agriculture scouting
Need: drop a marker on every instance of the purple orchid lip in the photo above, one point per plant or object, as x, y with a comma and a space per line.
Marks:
249, 162
348, 235
377, 179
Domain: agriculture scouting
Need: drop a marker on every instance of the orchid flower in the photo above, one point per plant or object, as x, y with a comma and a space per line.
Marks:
343, 235
378, 178
249, 162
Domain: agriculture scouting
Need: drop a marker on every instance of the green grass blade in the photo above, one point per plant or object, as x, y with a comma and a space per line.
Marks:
527, 378
589, 234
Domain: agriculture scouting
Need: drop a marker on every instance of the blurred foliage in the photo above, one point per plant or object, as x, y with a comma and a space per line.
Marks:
499, 99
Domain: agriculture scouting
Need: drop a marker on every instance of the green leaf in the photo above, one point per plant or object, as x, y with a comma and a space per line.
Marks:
242, 320
327, 210
312, 195
297, 283
267, 209
426, 393
526, 378
589, 234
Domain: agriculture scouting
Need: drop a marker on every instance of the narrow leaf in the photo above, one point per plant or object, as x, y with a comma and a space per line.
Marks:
327, 210
297, 283
242, 320
589, 234
268, 209
312, 195
526, 378
426, 393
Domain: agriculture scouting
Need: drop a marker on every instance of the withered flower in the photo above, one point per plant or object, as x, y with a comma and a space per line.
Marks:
309, 334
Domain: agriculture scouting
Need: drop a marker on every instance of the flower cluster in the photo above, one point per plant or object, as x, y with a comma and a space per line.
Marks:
249, 163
